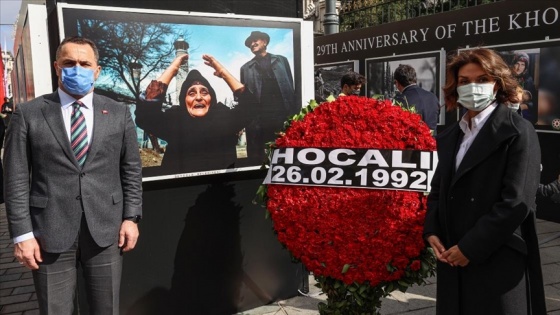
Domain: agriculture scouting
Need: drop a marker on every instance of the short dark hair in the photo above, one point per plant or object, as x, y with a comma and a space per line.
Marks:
405, 75
352, 78
80, 41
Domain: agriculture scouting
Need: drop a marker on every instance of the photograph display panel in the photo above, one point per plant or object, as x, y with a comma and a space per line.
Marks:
182, 136
536, 66
379, 73
327, 78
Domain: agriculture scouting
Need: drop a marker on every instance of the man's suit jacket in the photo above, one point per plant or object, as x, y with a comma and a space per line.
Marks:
46, 189
426, 103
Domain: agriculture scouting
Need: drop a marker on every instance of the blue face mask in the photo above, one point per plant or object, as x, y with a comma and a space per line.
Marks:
77, 80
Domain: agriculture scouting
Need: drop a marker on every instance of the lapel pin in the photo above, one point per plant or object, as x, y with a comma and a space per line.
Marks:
105, 112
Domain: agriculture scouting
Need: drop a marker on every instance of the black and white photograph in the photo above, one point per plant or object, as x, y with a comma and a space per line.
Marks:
327, 78
379, 74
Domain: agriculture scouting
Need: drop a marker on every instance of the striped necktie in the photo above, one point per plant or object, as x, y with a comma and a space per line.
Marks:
78, 133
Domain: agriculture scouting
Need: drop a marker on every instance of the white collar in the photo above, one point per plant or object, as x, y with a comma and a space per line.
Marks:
479, 120
67, 99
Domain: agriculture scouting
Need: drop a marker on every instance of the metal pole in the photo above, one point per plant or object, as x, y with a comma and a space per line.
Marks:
331, 18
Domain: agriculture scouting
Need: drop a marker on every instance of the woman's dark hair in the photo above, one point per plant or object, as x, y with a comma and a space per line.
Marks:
193, 77
491, 62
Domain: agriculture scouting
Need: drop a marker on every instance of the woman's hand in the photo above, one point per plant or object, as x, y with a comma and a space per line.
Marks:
455, 257
180, 60
209, 60
173, 68
438, 247
221, 72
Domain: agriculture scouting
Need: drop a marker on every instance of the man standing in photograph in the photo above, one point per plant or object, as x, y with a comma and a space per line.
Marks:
424, 102
269, 78
73, 186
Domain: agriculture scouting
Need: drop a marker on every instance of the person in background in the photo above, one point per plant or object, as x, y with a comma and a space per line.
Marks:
520, 104
351, 83
319, 86
551, 189
73, 186
425, 103
6, 112
482, 228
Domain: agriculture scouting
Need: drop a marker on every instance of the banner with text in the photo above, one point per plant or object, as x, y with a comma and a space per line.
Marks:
353, 168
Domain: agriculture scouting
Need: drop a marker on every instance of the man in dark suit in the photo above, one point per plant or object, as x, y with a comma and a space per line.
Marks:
269, 78
73, 185
424, 102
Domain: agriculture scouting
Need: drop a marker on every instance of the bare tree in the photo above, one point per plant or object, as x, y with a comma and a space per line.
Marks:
125, 45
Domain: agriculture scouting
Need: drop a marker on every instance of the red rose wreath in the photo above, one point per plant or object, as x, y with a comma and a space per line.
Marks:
361, 244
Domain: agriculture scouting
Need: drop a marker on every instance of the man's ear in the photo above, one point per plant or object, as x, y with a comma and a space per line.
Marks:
56, 68
96, 72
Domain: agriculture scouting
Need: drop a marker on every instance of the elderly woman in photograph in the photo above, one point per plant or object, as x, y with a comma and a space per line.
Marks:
201, 134
480, 221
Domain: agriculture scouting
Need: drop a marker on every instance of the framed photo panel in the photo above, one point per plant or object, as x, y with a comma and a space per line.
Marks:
180, 136
429, 67
536, 66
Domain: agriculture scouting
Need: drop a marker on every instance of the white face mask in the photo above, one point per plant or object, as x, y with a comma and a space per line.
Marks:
514, 107
475, 96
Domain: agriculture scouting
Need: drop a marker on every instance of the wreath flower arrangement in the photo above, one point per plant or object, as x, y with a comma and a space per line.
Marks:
361, 244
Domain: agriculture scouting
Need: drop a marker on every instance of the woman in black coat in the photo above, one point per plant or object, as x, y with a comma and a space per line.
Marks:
481, 209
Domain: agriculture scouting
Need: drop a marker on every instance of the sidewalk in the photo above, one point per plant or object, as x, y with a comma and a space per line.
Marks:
17, 294
421, 300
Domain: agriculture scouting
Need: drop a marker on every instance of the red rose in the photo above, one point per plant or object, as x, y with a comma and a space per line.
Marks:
415, 266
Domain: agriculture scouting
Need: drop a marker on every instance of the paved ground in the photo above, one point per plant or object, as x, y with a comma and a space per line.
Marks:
17, 295
421, 300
